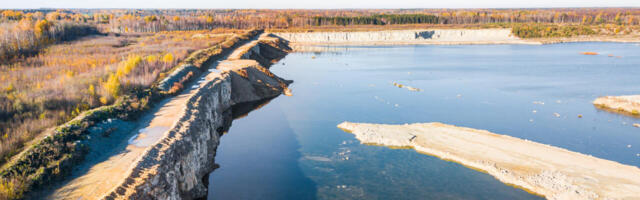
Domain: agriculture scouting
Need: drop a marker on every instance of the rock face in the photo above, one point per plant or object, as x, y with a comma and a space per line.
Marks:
436, 36
252, 82
175, 166
265, 50
625, 104
553, 172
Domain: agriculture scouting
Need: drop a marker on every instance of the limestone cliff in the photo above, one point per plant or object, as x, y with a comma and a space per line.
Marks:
434, 36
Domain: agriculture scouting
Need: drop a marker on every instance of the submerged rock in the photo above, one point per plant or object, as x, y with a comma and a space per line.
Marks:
553, 172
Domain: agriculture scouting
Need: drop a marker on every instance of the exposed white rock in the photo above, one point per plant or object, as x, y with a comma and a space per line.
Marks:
553, 172
434, 36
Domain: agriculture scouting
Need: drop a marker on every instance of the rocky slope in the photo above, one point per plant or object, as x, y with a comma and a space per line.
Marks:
175, 167
553, 172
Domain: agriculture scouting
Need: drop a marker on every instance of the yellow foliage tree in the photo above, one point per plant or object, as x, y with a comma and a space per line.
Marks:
91, 90
128, 65
113, 85
151, 18
152, 58
167, 58
42, 26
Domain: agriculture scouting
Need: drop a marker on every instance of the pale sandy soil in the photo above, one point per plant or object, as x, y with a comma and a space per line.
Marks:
553, 172
624, 104
602, 38
104, 177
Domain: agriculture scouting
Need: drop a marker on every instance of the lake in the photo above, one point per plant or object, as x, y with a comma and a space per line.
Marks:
290, 147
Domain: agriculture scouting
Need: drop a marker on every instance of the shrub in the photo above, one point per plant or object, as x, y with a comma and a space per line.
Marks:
167, 58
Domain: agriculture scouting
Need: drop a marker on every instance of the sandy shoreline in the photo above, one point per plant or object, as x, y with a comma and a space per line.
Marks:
553, 172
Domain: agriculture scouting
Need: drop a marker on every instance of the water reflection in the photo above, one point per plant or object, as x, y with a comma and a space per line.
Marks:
258, 158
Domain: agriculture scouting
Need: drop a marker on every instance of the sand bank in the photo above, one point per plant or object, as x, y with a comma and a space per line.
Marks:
624, 104
553, 172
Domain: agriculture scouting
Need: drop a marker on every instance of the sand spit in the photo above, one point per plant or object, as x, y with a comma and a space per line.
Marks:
553, 172
407, 37
624, 104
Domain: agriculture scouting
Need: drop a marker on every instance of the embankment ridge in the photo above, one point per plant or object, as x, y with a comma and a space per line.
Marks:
553, 172
172, 149
174, 167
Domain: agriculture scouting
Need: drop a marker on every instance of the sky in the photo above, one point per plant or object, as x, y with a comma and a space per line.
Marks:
310, 4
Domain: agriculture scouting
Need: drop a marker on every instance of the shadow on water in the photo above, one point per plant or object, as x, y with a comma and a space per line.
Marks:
258, 158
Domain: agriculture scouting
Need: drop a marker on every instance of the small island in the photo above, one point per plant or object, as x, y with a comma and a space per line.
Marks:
629, 104
542, 169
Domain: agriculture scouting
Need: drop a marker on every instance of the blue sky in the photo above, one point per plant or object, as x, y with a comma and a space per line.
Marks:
314, 3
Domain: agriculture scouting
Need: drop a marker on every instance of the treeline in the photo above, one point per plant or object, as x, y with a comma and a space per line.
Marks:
27, 37
132, 20
377, 20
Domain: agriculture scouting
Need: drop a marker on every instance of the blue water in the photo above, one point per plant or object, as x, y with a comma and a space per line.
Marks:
291, 149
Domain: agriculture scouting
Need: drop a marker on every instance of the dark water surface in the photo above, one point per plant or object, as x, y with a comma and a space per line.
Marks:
291, 148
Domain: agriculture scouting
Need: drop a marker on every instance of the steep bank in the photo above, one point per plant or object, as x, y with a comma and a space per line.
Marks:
172, 147
623, 104
396, 37
553, 172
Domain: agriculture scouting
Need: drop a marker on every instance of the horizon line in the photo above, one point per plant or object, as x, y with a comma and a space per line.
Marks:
451, 8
